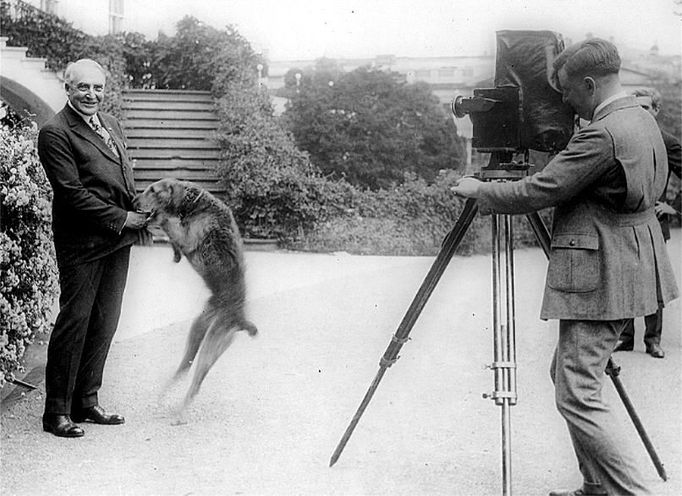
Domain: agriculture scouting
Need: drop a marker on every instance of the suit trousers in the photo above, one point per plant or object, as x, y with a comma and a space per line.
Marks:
578, 371
89, 310
653, 328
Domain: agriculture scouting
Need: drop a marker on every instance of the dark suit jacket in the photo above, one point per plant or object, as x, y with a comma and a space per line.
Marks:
674, 150
608, 259
93, 189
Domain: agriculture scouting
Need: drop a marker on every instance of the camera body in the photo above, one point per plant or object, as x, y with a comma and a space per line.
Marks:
524, 111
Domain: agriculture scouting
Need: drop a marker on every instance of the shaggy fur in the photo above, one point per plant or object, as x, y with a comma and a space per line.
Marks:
202, 228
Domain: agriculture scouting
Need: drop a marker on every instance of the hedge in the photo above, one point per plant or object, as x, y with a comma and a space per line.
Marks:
28, 275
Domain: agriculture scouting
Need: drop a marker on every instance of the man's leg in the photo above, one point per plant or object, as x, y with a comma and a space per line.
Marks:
77, 293
580, 361
626, 341
652, 334
101, 329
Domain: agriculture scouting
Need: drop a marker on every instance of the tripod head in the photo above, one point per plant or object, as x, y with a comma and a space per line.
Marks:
524, 111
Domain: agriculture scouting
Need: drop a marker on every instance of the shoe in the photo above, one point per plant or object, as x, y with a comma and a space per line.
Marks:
97, 415
624, 346
588, 489
61, 426
577, 492
655, 351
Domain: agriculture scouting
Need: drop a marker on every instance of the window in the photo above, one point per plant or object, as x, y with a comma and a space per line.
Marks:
49, 6
423, 75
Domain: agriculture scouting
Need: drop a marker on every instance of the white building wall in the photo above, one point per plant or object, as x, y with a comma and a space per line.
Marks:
90, 16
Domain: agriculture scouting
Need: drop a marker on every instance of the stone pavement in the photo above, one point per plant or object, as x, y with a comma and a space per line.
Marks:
273, 408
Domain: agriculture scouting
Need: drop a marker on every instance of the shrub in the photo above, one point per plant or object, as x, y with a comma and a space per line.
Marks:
410, 219
273, 189
28, 276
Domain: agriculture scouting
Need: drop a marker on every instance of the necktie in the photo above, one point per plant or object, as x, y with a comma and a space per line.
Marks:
102, 133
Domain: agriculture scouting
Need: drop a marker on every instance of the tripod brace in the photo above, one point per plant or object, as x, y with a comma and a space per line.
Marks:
504, 365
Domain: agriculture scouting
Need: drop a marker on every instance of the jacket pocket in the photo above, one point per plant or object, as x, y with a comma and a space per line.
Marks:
574, 265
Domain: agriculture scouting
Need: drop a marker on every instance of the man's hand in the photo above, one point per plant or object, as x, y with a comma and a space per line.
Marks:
662, 208
135, 220
467, 187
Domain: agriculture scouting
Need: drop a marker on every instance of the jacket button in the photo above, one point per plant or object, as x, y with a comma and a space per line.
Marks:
571, 243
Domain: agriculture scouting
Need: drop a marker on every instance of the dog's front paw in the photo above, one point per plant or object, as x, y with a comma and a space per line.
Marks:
177, 254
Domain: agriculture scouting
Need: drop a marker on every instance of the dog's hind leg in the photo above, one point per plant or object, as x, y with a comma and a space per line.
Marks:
195, 337
218, 339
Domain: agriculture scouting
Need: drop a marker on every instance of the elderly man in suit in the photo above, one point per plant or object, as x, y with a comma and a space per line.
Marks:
608, 261
94, 224
650, 100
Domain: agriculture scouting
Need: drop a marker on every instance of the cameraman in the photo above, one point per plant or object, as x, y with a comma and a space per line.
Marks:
608, 260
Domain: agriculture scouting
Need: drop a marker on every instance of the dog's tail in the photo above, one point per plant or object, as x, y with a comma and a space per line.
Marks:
250, 328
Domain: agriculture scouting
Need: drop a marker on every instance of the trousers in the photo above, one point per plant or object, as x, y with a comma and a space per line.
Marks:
89, 310
653, 328
604, 455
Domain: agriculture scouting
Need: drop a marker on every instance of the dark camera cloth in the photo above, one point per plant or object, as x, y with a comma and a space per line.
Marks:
608, 257
524, 60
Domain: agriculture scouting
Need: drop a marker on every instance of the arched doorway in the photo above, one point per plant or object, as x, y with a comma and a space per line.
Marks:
24, 102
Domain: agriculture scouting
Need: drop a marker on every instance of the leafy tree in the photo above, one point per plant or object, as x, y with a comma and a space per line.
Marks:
136, 51
670, 117
370, 127
199, 53
273, 189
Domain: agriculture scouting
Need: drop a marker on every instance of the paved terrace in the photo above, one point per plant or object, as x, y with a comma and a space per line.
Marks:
273, 408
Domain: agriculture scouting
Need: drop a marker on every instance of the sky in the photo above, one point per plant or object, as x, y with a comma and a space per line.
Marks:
310, 29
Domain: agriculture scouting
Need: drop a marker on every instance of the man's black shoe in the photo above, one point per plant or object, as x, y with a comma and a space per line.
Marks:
97, 415
61, 426
624, 346
655, 351
577, 492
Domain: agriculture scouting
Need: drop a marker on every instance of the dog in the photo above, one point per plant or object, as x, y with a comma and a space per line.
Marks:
202, 228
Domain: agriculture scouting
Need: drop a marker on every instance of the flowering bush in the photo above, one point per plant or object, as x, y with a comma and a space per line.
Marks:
28, 276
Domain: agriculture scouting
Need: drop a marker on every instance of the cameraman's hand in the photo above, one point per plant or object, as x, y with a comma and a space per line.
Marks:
135, 220
467, 187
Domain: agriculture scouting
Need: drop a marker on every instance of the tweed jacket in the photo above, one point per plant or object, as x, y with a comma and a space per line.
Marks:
608, 259
93, 188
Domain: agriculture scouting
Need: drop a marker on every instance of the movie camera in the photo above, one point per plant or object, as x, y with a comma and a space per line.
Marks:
524, 111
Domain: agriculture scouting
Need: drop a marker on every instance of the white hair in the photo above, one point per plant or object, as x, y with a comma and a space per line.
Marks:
73, 66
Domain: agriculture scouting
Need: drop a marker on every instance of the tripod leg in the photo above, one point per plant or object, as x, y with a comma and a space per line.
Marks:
612, 370
504, 342
450, 245
540, 231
